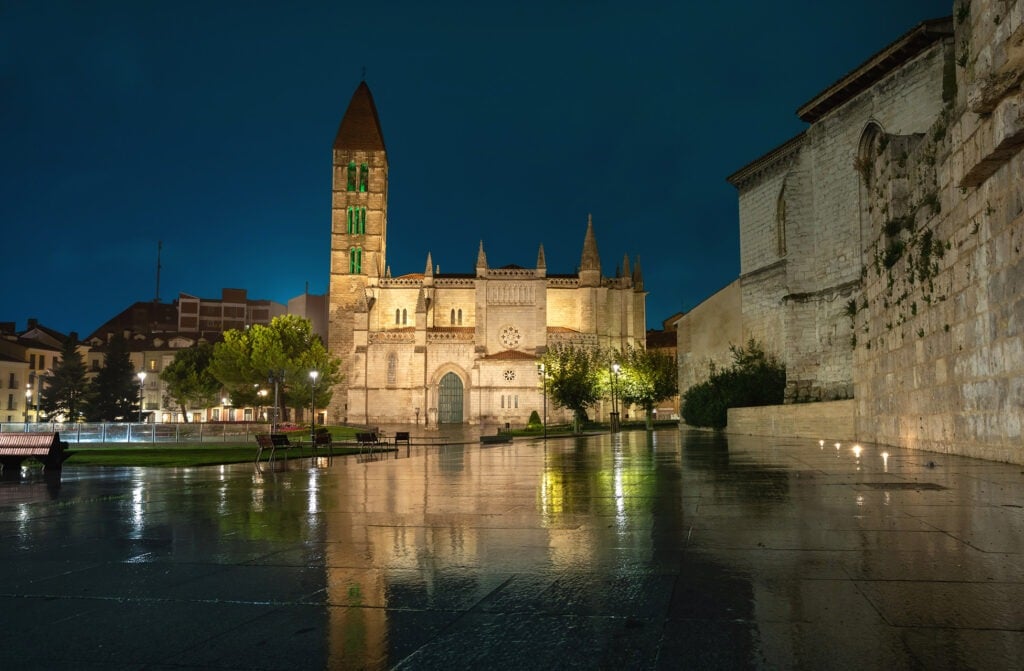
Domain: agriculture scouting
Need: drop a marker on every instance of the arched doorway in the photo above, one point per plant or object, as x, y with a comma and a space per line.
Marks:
449, 400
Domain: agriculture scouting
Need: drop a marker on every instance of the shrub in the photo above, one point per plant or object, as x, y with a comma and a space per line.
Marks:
754, 378
534, 421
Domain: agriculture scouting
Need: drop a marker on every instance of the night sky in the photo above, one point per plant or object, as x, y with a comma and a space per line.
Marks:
209, 126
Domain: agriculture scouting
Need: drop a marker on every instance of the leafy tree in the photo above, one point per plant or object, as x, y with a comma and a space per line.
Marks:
245, 360
646, 378
66, 390
755, 378
573, 379
114, 392
189, 380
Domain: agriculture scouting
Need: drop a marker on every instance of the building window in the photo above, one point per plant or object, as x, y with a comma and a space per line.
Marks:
11, 384
460, 316
215, 414
152, 365
355, 260
453, 317
10, 401
398, 316
392, 367
503, 401
404, 317
362, 221
351, 181
356, 220
32, 361
364, 177
517, 400
42, 361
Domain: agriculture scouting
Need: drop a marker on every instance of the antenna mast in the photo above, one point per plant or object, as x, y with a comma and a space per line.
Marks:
159, 247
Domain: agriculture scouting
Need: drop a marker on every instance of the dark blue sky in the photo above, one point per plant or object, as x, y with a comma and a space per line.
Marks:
209, 126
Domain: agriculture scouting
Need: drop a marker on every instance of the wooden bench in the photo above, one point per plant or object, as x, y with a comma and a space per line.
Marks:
272, 441
402, 437
46, 447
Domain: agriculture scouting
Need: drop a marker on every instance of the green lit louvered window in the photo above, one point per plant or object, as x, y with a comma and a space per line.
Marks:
351, 220
364, 177
355, 260
351, 176
362, 221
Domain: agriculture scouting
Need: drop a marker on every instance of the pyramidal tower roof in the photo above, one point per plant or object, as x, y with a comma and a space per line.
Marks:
360, 127
590, 260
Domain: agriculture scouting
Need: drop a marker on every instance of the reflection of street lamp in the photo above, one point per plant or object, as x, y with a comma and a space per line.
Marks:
312, 407
542, 371
615, 401
142, 390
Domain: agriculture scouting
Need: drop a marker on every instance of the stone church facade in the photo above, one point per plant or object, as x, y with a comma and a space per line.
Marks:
881, 249
432, 347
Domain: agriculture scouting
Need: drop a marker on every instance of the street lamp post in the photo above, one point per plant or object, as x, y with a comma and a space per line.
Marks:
276, 377
142, 391
542, 371
28, 401
615, 400
312, 407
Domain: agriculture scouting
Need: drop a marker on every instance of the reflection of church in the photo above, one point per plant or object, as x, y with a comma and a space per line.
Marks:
451, 347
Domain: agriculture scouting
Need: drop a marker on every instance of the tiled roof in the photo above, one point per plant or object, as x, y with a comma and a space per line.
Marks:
360, 127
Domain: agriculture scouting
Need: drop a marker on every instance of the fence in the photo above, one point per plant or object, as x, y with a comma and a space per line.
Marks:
126, 432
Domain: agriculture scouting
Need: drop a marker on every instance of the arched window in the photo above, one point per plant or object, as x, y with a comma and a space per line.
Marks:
362, 221
351, 181
404, 317
364, 177
398, 316
355, 260
453, 317
392, 367
351, 220
460, 316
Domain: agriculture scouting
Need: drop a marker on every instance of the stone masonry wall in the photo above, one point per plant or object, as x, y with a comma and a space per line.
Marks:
940, 355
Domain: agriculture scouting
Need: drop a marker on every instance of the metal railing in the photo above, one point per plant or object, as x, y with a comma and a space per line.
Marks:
135, 432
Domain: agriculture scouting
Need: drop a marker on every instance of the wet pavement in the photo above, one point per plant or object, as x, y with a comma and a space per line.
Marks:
635, 551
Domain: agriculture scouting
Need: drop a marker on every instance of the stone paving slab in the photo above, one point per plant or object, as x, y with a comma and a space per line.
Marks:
634, 551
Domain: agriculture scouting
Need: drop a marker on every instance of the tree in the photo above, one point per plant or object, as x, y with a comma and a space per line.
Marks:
66, 389
114, 393
646, 378
573, 379
755, 378
246, 359
189, 380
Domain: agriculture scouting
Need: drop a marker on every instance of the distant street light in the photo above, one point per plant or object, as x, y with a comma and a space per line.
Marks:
142, 391
28, 400
312, 407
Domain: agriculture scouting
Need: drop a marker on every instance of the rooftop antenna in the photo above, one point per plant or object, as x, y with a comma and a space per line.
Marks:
159, 247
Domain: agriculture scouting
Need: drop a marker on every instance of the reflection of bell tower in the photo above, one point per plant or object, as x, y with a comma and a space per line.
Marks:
359, 224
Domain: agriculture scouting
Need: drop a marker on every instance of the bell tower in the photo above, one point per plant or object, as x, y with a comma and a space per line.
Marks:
359, 224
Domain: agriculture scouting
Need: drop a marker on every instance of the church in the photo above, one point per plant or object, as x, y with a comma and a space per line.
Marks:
448, 348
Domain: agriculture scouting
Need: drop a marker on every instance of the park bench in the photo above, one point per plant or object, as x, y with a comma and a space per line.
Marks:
402, 437
367, 439
322, 438
47, 447
272, 441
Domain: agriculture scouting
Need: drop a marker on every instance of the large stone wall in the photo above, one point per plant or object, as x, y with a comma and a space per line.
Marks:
902, 216
703, 335
940, 356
